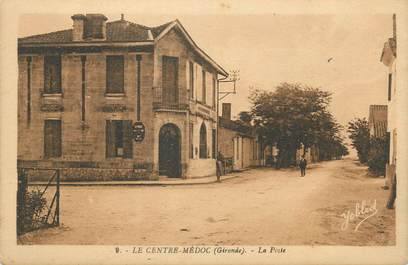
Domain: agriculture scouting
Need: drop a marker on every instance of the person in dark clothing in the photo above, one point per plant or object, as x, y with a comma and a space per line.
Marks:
302, 166
220, 166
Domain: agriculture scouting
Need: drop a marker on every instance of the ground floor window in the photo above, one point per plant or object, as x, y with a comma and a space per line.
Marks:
52, 138
119, 139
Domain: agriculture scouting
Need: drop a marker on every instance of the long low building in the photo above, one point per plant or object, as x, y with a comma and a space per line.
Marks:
238, 142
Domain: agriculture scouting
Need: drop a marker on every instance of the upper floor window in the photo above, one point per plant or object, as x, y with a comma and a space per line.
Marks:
52, 74
170, 68
214, 93
204, 89
114, 74
191, 79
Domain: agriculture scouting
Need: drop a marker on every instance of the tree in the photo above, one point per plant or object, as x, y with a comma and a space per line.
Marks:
360, 137
292, 115
245, 117
378, 155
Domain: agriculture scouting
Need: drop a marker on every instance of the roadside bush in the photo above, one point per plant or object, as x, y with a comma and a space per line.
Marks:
378, 155
31, 217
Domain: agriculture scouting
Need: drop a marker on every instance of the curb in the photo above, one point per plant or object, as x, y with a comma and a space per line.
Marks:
134, 183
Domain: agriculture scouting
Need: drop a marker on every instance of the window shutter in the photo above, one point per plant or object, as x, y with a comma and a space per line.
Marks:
110, 139
127, 139
198, 83
188, 86
114, 74
170, 79
204, 88
57, 138
52, 138
47, 139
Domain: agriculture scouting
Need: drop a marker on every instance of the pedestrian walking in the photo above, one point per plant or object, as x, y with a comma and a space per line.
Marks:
302, 166
220, 166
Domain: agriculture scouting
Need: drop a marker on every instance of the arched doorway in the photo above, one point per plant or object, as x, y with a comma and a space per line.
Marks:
169, 151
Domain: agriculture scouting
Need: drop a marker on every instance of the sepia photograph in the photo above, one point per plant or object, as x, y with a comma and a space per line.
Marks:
219, 133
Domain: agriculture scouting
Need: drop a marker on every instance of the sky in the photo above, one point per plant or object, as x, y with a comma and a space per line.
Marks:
273, 48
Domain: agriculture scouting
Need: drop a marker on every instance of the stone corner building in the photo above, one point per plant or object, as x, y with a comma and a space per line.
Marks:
81, 90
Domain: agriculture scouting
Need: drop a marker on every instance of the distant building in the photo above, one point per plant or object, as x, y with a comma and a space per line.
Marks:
238, 142
377, 121
87, 96
311, 154
389, 59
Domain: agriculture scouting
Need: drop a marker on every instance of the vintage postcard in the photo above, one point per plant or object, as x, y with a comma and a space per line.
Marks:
220, 132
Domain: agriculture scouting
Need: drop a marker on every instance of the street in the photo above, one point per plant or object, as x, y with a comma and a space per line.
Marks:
261, 206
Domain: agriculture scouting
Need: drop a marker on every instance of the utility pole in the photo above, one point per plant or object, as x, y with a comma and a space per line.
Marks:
233, 77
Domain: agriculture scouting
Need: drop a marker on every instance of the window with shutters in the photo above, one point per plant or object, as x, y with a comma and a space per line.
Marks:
52, 138
119, 139
170, 95
191, 79
204, 89
203, 141
214, 93
52, 74
114, 74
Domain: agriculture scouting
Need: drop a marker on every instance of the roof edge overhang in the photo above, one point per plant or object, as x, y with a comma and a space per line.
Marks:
139, 47
87, 44
205, 56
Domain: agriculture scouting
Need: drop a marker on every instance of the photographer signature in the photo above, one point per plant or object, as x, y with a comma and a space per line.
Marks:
366, 209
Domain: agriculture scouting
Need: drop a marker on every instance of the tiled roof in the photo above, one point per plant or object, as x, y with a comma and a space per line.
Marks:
157, 30
378, 120
120, 30
380, 129
237, 126
61, 36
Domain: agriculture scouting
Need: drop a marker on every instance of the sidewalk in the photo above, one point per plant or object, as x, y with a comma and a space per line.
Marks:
163, 182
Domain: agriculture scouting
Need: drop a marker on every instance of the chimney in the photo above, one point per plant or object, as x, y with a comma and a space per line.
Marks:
226, 111
95, 27
78, 27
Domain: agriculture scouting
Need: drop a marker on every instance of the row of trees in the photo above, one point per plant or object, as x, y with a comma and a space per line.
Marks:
373, 151
295, 114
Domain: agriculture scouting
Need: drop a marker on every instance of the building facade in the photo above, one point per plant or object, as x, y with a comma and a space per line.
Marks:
117, 100
389, 59
238, 142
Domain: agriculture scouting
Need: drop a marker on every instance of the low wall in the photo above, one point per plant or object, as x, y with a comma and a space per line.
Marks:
88, 171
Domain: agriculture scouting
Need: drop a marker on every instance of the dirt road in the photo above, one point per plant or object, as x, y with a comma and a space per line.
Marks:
262, 206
